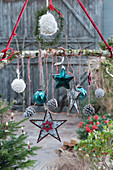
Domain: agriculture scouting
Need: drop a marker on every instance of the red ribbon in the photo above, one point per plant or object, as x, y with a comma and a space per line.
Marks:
84, 9
89, 78
52, 8
13, 34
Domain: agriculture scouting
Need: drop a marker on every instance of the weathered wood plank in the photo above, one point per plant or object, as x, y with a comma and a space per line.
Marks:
78, 17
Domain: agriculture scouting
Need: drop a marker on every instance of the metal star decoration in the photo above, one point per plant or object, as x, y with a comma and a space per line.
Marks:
48, 126
73, 95
63, 79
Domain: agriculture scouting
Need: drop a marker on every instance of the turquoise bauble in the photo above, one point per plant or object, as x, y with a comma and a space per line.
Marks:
83, 93
40, 97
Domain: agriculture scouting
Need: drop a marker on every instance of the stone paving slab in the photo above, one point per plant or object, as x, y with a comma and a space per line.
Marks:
48, 144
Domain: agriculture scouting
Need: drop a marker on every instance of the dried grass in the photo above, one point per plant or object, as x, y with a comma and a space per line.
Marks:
68, 163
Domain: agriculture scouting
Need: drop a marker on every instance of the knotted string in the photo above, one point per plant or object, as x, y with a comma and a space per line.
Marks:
29, 78
40, 69
79, 60
88, 80
18, 64
56, 64
99, 71
47, 78
52, 80
52, 8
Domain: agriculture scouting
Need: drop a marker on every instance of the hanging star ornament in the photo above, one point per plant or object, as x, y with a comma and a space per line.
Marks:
63, 79
48, 126
73, 95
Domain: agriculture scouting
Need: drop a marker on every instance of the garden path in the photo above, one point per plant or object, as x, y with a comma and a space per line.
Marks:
48, 144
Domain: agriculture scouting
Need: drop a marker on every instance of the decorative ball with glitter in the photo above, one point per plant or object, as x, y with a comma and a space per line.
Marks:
40, 97
18, 85
88, 110
52, 103
83, 93
30, 111
99, 93
48, 24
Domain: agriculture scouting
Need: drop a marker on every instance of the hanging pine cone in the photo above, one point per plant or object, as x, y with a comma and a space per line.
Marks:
99, 93
88, 110
52, 103
29, 112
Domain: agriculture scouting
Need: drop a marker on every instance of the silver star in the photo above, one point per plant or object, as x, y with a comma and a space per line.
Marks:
73, 96
48, 126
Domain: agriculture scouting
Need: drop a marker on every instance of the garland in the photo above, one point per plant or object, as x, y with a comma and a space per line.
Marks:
41, 40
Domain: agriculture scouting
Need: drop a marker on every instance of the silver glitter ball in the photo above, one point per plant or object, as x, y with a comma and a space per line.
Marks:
99, 93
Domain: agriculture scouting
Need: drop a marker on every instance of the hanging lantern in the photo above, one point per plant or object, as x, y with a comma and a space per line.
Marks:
18, 85
83, 93
48, 24
99, 93
40, 97
88, 110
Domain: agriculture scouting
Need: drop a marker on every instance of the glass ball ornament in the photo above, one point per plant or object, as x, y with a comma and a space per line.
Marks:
18, 85
88, 110
48, 24
83, 93
40, 97
99, 93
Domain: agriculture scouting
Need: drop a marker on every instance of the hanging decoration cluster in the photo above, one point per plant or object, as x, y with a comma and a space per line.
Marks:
18, 84
47, 25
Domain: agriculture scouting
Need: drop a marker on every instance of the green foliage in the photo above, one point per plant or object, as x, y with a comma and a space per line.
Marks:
93, 123
40, 39
4, 106
103, 46
14, 153
99, 146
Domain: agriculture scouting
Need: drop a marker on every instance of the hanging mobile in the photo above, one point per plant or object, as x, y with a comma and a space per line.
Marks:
79, 88
18, 84
40, 97
47, 26
89, 109
29, 111
63, 79
99, 93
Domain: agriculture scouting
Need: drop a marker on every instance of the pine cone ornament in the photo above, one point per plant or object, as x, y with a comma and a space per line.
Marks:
99, 93
52, 103
29, 112
88, 110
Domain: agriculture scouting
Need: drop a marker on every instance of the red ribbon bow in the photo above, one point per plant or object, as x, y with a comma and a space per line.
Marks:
52, 8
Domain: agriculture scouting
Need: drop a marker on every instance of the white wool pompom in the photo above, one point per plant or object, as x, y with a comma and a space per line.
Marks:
48, 24
99, 93
18, 85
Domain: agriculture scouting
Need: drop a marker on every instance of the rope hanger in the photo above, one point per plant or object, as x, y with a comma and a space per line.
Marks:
52, 8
